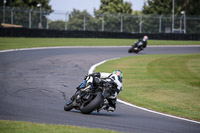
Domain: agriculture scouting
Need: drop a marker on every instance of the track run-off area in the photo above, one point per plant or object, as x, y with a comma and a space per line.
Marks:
35, 84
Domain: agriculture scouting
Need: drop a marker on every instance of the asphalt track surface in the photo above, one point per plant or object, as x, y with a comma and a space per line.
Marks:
35, 84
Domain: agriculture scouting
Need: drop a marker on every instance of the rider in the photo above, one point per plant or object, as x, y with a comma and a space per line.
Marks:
143, 43
93, 80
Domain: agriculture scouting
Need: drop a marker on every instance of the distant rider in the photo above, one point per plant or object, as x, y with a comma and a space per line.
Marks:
93, 80
142, 42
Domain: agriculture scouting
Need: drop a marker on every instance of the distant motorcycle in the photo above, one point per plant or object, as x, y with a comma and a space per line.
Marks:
139, 46
87, 100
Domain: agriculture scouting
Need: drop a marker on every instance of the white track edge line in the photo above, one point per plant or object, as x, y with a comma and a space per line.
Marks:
91, 70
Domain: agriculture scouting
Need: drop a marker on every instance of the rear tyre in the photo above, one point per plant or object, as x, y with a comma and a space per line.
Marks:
94, 104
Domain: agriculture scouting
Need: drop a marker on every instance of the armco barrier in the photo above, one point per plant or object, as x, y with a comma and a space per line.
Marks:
24, 32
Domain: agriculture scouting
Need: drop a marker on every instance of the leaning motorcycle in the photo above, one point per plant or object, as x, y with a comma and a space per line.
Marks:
136, 48
88, 100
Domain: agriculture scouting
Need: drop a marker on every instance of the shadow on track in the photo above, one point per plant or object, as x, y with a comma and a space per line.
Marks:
97, 114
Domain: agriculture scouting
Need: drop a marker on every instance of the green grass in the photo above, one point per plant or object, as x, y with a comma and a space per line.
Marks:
27, 127
165, 83
15, 43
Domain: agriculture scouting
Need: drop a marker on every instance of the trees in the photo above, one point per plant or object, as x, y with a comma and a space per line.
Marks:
81, 21
164, 7
115, 6
21, 12
28, 4
192, 7
157, 7
57, 25
111, 14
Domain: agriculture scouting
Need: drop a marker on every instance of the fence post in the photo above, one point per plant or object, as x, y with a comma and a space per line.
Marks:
103, 22
141, 24
172, 16
41, 17
84, 19
12, 15
160, 25
4, 10
47, 23
185, 25
121, 23
30, 21
181, 24
66, 16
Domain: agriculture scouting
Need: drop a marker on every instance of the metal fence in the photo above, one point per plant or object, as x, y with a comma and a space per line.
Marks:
35, 18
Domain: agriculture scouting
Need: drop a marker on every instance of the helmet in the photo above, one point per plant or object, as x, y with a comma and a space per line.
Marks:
118, 73
145, 38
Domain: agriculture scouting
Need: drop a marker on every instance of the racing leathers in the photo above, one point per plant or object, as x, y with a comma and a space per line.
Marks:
142, 43
94, 79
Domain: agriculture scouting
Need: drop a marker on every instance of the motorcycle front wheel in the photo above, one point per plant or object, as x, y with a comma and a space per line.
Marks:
130, 50
68, 106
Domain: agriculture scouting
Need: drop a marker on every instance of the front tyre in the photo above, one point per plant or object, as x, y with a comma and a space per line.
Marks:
130, 50
94, 104
68, 106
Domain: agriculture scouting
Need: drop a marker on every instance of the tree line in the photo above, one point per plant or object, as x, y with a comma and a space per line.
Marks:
112, 13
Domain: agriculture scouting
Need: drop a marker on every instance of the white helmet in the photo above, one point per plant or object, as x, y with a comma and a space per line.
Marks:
145, 38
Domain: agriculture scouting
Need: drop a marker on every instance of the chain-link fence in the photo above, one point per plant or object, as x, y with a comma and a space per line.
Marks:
75, 20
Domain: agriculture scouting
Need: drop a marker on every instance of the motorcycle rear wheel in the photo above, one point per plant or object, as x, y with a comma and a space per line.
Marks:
94, 104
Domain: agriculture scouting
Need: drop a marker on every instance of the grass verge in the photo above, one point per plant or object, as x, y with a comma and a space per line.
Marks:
27, 127
165, 83
15, 43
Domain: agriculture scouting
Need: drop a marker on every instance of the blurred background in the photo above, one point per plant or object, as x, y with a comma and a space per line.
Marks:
132, 16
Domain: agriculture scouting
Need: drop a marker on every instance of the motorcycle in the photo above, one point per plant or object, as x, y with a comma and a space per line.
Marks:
137, 47
88, 100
